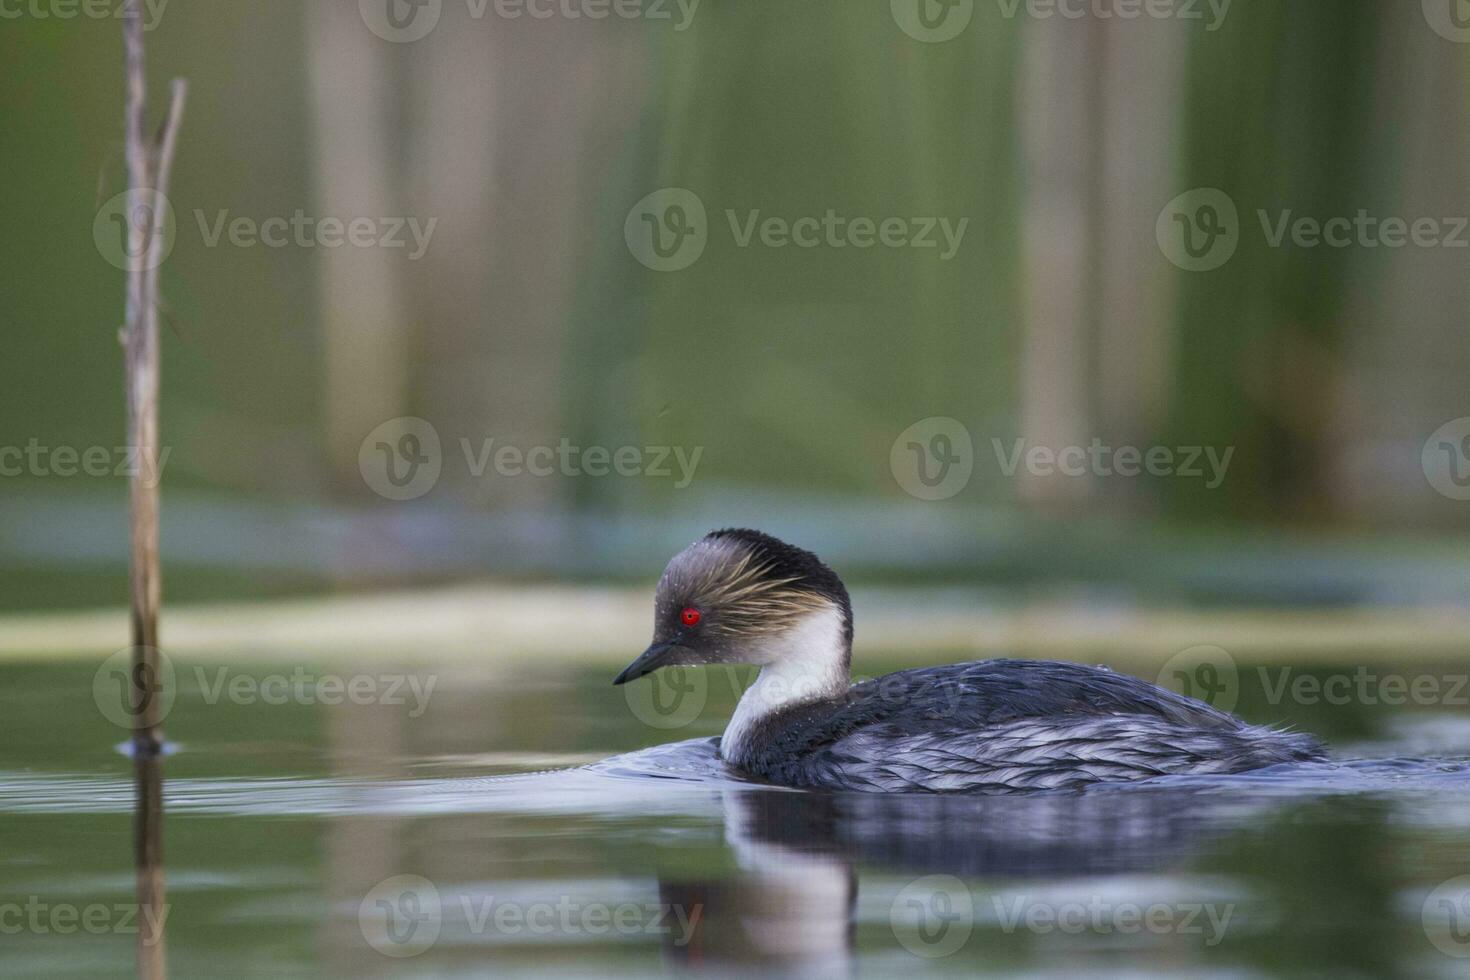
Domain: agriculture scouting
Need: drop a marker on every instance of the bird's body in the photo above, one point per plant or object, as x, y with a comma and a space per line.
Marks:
740, 596
1000, 726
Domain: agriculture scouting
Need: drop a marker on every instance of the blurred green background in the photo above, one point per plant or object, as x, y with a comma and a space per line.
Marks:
1121, 183
1061, 319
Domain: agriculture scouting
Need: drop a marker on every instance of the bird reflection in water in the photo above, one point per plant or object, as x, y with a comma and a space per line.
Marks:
792, 905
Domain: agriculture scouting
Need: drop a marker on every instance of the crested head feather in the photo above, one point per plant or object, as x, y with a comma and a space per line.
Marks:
759, 584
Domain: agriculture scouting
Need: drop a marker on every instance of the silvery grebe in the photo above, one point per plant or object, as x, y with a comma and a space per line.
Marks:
743, 597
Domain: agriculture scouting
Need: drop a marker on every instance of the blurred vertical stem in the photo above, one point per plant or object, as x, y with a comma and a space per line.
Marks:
149, 167
356, 86
1275, 113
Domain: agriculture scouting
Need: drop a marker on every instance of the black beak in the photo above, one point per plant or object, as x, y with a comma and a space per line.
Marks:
648, 661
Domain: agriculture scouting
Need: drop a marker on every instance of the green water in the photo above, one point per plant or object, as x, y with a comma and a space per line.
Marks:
290, 827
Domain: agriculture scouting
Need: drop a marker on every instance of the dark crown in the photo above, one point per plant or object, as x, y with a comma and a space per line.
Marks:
795, 568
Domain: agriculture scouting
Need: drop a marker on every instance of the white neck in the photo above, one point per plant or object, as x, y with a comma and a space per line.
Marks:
805, 663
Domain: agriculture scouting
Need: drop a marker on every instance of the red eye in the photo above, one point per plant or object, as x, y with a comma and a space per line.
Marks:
691, 616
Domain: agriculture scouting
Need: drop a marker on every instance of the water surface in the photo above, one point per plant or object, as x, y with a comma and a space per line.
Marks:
500, 825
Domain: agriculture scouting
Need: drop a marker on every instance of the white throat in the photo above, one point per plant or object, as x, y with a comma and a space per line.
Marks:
805, 663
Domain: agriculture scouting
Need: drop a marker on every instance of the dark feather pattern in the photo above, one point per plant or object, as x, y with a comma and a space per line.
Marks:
784, 562
1002, 726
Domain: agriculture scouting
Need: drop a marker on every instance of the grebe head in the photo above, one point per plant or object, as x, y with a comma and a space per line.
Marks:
742, 597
